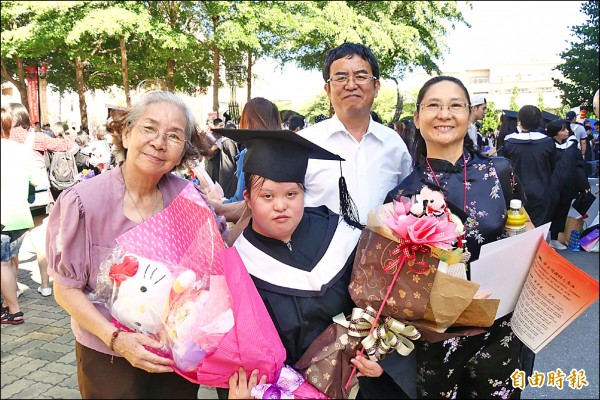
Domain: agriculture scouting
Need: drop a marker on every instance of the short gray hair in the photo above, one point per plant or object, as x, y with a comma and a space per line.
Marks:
126, 119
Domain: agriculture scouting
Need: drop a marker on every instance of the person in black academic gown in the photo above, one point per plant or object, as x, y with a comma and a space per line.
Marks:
300, 259
533, 157
569, 176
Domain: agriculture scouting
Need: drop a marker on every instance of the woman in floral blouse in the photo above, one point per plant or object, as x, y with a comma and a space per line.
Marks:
477, 366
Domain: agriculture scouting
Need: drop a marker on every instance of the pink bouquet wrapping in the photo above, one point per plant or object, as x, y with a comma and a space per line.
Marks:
172, 279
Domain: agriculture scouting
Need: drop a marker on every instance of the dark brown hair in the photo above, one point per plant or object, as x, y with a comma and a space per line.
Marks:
6, 123
420, 148
260, 113
20, 115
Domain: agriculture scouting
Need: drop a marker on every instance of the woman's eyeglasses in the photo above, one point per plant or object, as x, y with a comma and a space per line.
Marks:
455, 108
172, 139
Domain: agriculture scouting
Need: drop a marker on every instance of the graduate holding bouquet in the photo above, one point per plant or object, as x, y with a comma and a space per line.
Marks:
300, 258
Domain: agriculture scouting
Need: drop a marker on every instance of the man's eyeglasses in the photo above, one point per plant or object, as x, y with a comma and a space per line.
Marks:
151, 132
455, 108
359, 79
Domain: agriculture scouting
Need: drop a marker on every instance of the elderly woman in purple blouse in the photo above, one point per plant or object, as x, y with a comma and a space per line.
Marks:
153, 137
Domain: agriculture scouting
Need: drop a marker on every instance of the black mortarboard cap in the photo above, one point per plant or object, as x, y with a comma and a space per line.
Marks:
511, 114
549, 117
279, 155
282, 156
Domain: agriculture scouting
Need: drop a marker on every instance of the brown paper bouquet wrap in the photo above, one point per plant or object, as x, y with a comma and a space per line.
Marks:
326, 363
427, 298
370, 281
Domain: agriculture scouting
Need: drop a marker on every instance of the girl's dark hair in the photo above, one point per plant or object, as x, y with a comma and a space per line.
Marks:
20, 115
251, 180
553, 127
6, 123
419, 148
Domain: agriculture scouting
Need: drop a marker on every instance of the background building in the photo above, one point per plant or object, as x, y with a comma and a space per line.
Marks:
496, 82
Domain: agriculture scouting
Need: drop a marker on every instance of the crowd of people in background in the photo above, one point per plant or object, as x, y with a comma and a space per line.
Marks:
152, 149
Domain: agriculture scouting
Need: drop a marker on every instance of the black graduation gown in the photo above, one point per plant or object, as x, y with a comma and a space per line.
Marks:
301, 311
533, 158
221, 168
569, 178
326, 246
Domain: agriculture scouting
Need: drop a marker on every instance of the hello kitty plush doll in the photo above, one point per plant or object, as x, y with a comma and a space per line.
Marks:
142, 290
149, 299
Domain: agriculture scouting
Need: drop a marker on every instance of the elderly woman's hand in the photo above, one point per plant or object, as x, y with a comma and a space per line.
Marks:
131, 346
240, 388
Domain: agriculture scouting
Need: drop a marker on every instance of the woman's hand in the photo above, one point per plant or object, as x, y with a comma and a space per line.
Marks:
240, 388
366, 367
131, 346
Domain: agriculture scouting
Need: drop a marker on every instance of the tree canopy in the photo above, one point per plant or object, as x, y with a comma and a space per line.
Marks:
193, 44
581, 63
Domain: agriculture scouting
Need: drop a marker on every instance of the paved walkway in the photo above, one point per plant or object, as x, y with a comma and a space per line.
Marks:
38, 356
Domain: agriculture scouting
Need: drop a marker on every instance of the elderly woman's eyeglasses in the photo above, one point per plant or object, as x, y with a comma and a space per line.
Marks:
151, 132
359, 79
457, 107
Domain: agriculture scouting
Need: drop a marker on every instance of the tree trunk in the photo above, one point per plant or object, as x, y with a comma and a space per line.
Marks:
19, 82
124, 70
216, 61
249, 76
79, 81
21, 86
171, 75
216, 79
399, 103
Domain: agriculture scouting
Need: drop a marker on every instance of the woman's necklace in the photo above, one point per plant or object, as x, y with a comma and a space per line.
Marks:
461, 240
136, 207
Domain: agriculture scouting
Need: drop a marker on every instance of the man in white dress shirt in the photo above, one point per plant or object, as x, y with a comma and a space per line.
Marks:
376, 158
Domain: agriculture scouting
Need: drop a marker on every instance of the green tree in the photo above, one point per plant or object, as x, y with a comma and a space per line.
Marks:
403, 35
318, 105
540, 99
385, 104
61, 34
109, 42
513, 105
581, 65
18, 49
490, 120
97, 44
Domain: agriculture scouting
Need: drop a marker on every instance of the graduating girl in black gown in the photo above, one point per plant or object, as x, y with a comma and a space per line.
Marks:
300, 258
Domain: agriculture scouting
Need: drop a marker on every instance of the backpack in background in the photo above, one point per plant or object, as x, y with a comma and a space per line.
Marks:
62, 169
